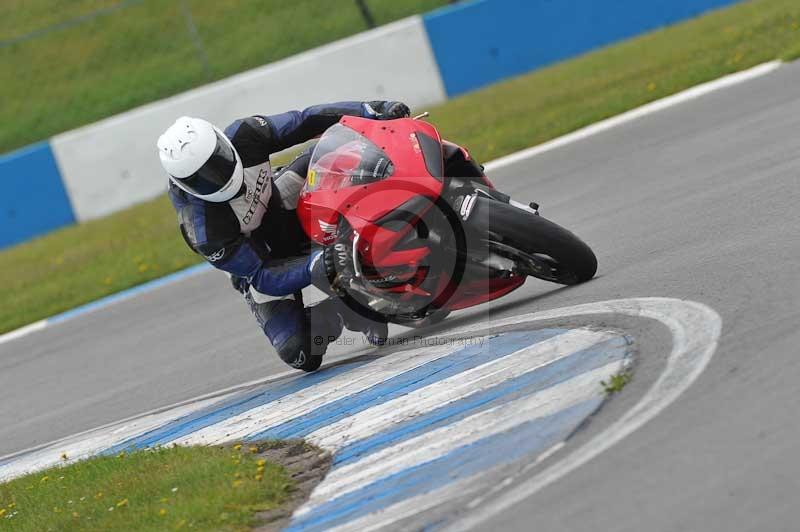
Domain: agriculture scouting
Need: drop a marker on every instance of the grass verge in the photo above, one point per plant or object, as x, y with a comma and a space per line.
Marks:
79, 264
202, 488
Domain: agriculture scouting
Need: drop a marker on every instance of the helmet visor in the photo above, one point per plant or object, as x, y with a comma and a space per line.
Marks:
215, 173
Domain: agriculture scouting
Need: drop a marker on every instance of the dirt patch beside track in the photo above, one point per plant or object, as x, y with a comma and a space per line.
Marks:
306, 464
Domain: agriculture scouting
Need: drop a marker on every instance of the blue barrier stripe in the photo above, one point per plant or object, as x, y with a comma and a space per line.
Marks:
424, 375
125, 294
232, 407
527, 384
511, 37
34, 200
527, 439
21, 153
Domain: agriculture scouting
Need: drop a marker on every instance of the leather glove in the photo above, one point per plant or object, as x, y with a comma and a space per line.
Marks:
338, 271
388, 110
240, 284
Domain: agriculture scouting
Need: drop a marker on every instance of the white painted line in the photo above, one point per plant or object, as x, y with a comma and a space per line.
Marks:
639, 112
439, 442
375, 419
695, 329
22, 331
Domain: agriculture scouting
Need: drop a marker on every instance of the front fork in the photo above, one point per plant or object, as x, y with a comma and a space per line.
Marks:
464, 194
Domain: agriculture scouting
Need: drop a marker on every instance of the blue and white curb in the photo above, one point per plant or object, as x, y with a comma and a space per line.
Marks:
421, 427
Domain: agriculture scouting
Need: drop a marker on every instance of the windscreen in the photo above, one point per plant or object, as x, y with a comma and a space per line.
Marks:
343, 158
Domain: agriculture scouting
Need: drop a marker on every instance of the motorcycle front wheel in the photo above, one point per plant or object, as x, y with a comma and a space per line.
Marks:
539, 247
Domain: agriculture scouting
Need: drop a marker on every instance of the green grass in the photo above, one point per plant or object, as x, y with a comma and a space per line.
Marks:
84, 262
144, 51
617, 382
79, 264
197, 488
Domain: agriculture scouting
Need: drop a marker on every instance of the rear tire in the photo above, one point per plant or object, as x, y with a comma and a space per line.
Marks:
537, 241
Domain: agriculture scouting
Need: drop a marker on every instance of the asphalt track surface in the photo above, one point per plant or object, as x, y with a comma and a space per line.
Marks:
696, 202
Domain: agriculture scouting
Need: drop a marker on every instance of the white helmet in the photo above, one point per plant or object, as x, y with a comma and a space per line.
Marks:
201, 160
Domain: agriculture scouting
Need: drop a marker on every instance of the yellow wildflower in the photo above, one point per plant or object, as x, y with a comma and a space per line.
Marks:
162, 512
12, 505
261, 463
237, 446
2, 512
236, 483
45, 479
254, 449
123, 502
259, 477
651, 86
98, 495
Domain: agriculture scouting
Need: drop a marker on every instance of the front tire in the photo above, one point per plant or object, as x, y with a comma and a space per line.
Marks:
541, 248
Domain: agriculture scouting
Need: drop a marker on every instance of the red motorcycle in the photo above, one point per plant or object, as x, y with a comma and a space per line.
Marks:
417, 227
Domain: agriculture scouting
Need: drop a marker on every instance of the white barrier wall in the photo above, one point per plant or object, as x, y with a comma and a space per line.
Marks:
113, 164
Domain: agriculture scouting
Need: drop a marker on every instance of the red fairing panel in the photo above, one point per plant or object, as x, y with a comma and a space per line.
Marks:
362, 204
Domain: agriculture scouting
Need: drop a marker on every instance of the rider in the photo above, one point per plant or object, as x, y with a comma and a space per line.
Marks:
240, 216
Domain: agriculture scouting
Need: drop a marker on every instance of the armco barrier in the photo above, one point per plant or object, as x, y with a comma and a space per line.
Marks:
112, 164
480, 42
33, 200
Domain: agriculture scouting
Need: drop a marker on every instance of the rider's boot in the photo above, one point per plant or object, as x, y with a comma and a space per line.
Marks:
375, 331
